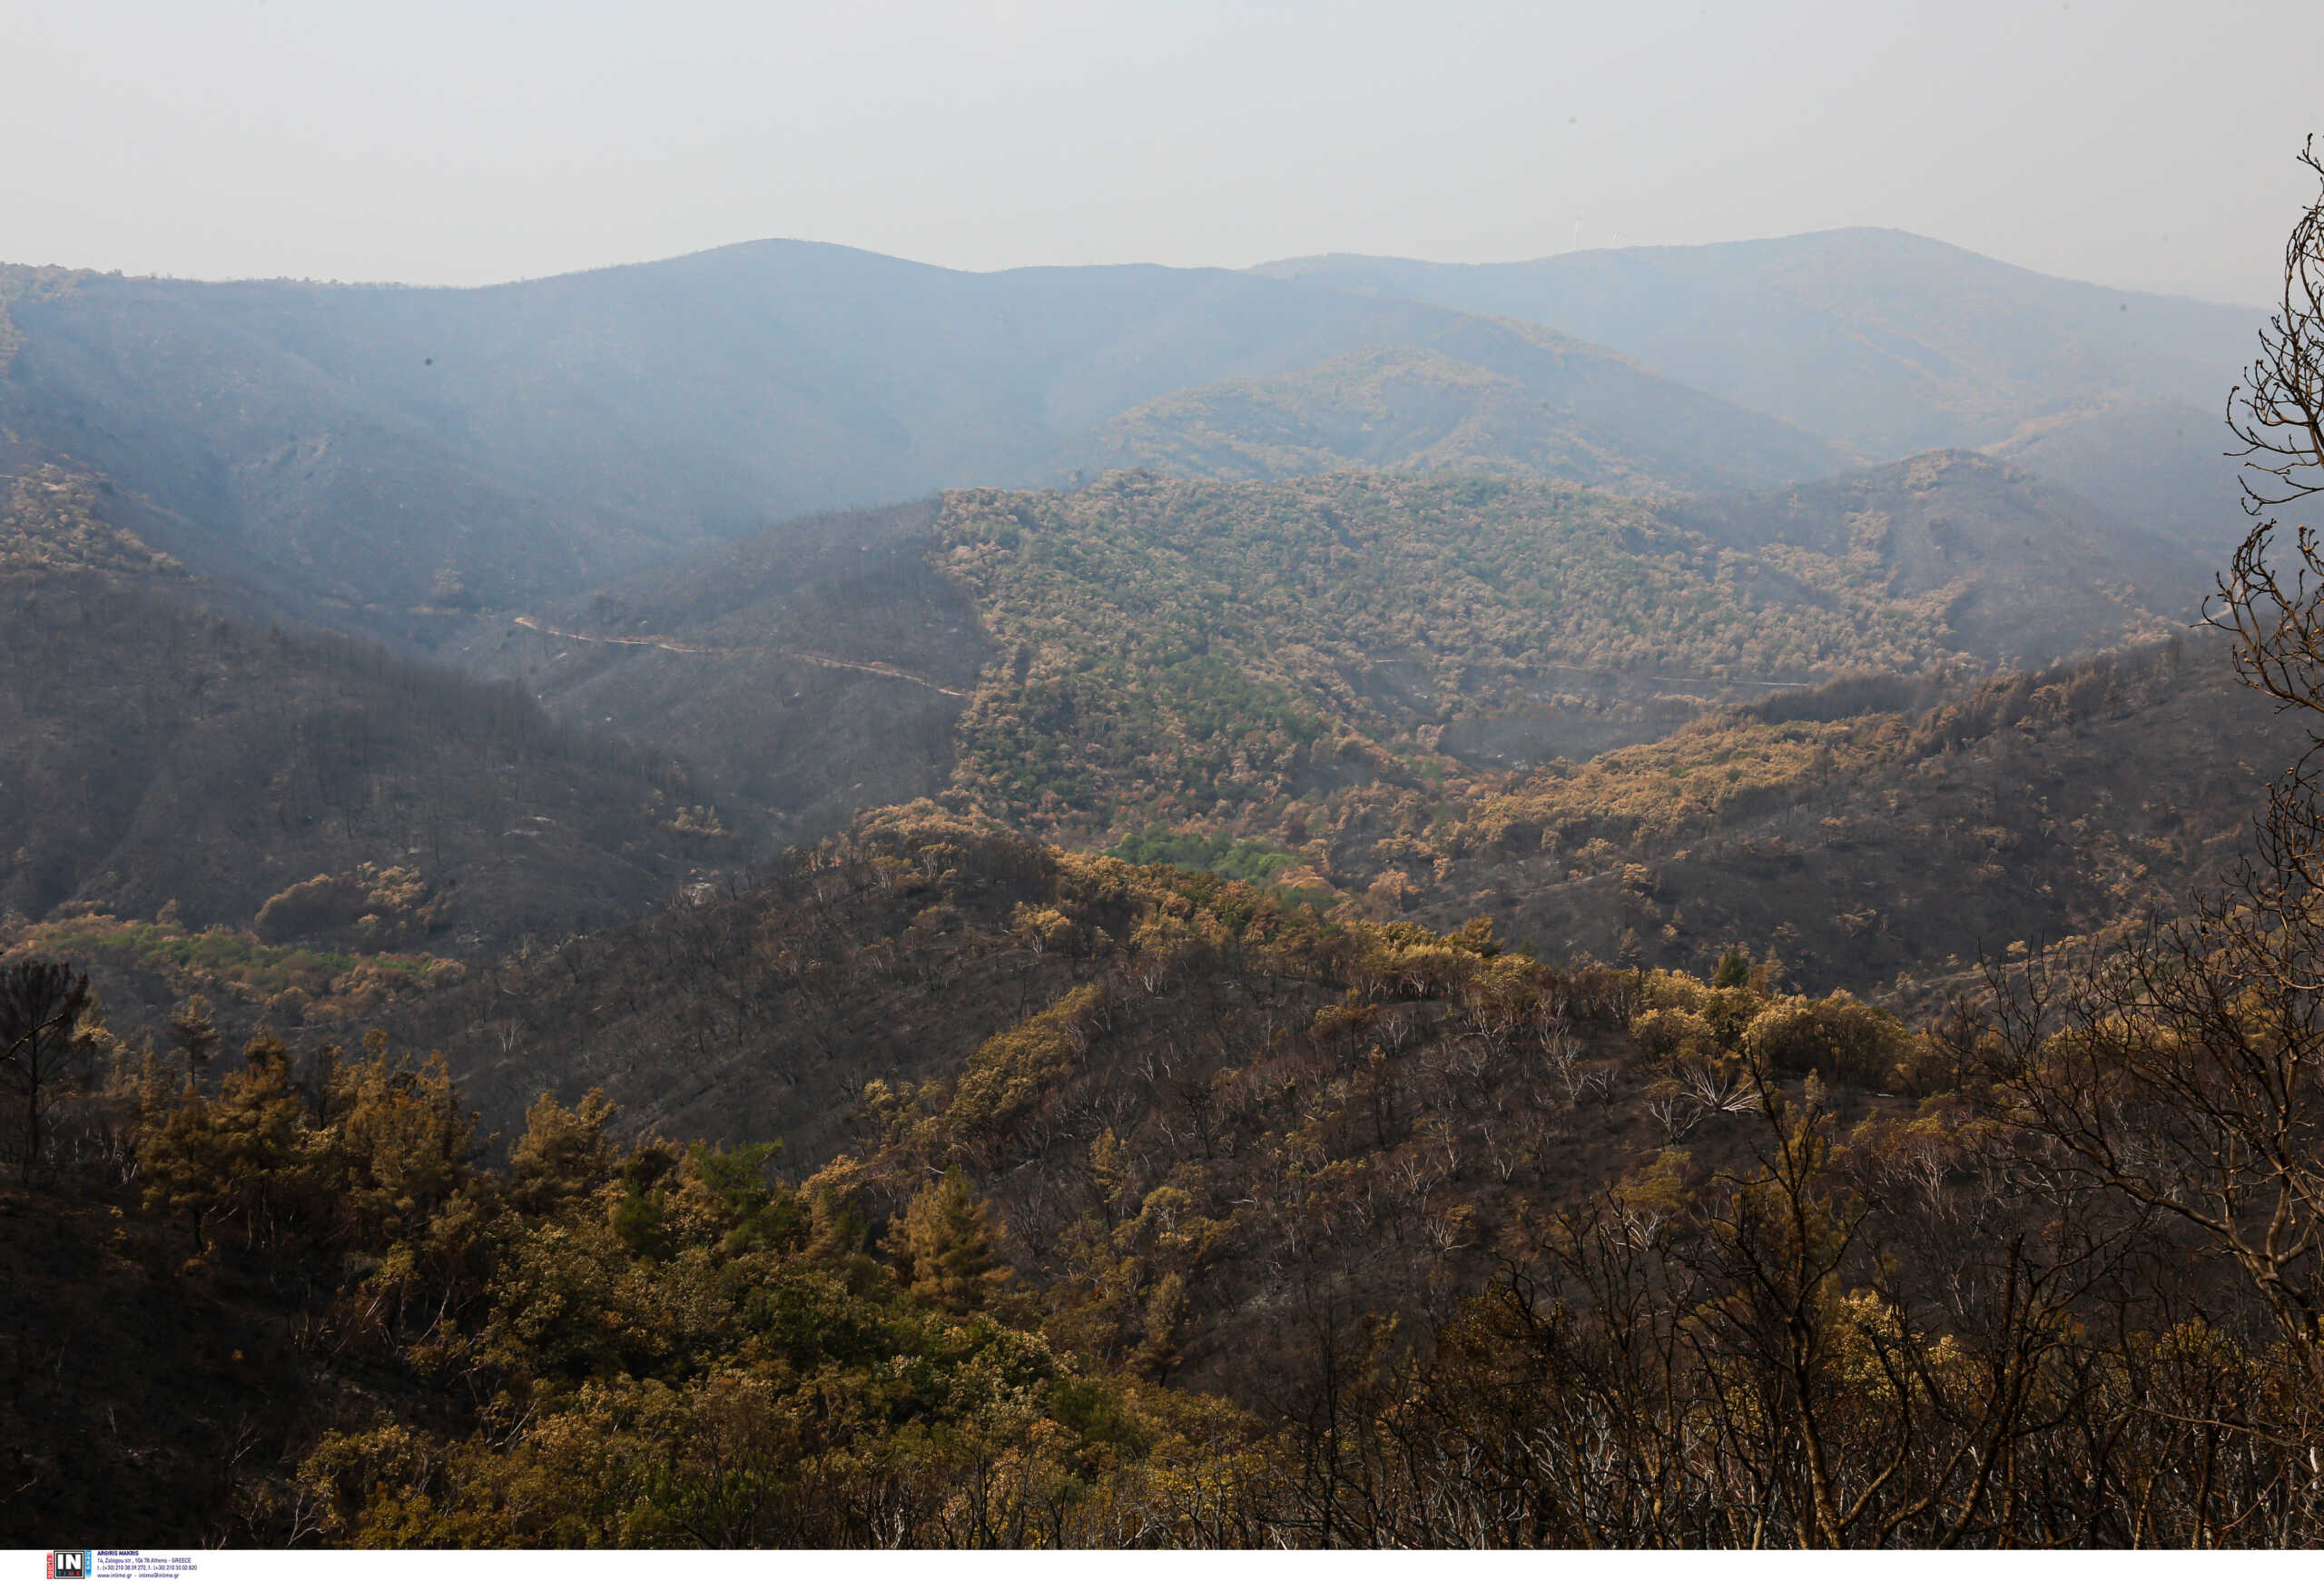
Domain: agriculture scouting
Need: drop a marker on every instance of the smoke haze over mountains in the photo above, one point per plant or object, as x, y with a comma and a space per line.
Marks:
442, 143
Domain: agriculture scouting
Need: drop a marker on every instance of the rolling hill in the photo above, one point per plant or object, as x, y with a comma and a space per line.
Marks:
805, 672
1871, 838
1881, 340
164, 754
361, 452
1491, 397
1876, 843
2161, 464
2027, 572
1270, 657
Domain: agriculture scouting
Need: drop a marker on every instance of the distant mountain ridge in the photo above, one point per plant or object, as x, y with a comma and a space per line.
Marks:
363, 455
1881, 340
353, 447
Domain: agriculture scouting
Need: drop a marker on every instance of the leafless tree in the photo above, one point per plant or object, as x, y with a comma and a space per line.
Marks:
41, 1052
2186, 1075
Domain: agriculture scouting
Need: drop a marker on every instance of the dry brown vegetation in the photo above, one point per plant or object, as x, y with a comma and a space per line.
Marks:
161, 752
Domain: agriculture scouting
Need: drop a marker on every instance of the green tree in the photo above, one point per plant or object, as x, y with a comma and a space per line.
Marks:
563, 1153
238, 1155
943, 1246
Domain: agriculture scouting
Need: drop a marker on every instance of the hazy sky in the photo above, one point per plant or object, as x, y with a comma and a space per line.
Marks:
2138, 144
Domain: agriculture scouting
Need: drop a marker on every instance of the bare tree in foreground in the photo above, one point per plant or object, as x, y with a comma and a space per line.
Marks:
2186, 1076
41, 1007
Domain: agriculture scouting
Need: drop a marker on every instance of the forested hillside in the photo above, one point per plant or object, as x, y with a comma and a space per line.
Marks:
163, 755
1480, 396
1883, 851
2029, 572
1850, 838
1396, 409
1261, 662
1242, 1226
1180, 651
1255, 659
805, 673
1146, 1204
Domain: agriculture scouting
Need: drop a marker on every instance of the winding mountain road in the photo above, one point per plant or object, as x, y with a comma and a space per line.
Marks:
671, 645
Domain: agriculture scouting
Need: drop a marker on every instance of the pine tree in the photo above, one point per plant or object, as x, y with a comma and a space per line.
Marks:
195, 1036
43, 1004
943, 1246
